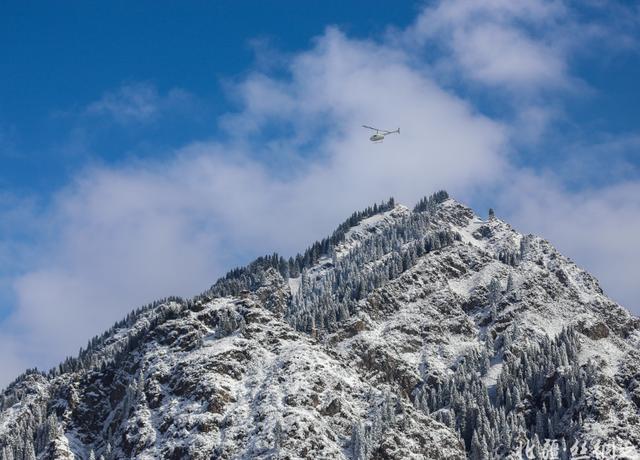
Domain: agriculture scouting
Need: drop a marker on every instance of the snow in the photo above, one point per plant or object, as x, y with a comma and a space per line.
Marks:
605, 351
294, 284
356, 234
366, 223
491, 377
467, 232
8, 416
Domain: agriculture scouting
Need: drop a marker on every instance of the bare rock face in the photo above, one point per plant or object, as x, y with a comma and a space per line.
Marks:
425, 334
595, 331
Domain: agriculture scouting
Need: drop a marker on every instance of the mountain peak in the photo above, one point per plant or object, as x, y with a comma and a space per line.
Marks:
424, 333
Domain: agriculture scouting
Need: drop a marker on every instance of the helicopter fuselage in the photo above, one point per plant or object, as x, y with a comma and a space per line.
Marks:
376, 137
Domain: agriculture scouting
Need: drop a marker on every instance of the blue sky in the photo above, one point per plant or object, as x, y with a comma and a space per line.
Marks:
147, 148
61, 59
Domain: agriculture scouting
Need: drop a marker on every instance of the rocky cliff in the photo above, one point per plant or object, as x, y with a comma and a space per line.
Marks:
427, 334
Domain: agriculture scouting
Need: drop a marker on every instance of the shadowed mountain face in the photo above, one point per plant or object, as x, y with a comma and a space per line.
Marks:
424, 334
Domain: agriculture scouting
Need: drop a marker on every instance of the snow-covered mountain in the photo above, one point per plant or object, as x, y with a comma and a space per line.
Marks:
424, 334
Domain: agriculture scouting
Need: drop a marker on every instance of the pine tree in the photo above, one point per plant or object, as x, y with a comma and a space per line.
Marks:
476, 447
494, 292
278, 435
524, 246
388, 410
508, 400
557, 398
29, 452
51, 428
484, 450
358, 442
493, 312
541, 425
516, 396
563, 453
509, 283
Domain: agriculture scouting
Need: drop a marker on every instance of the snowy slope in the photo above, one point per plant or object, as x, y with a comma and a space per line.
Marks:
426, 335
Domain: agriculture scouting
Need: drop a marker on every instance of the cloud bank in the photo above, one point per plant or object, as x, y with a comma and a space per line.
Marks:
294, 163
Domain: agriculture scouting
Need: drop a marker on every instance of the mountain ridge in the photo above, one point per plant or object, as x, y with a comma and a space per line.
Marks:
435, 308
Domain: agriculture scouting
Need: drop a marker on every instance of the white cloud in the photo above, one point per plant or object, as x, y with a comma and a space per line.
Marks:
138, 102
10, 357
509, 43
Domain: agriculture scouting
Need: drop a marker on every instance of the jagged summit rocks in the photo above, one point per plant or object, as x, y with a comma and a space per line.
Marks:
427, 334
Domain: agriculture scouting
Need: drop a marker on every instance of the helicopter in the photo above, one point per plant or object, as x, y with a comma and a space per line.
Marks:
380, 133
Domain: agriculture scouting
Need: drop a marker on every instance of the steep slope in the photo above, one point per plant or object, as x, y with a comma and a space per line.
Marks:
427, 334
